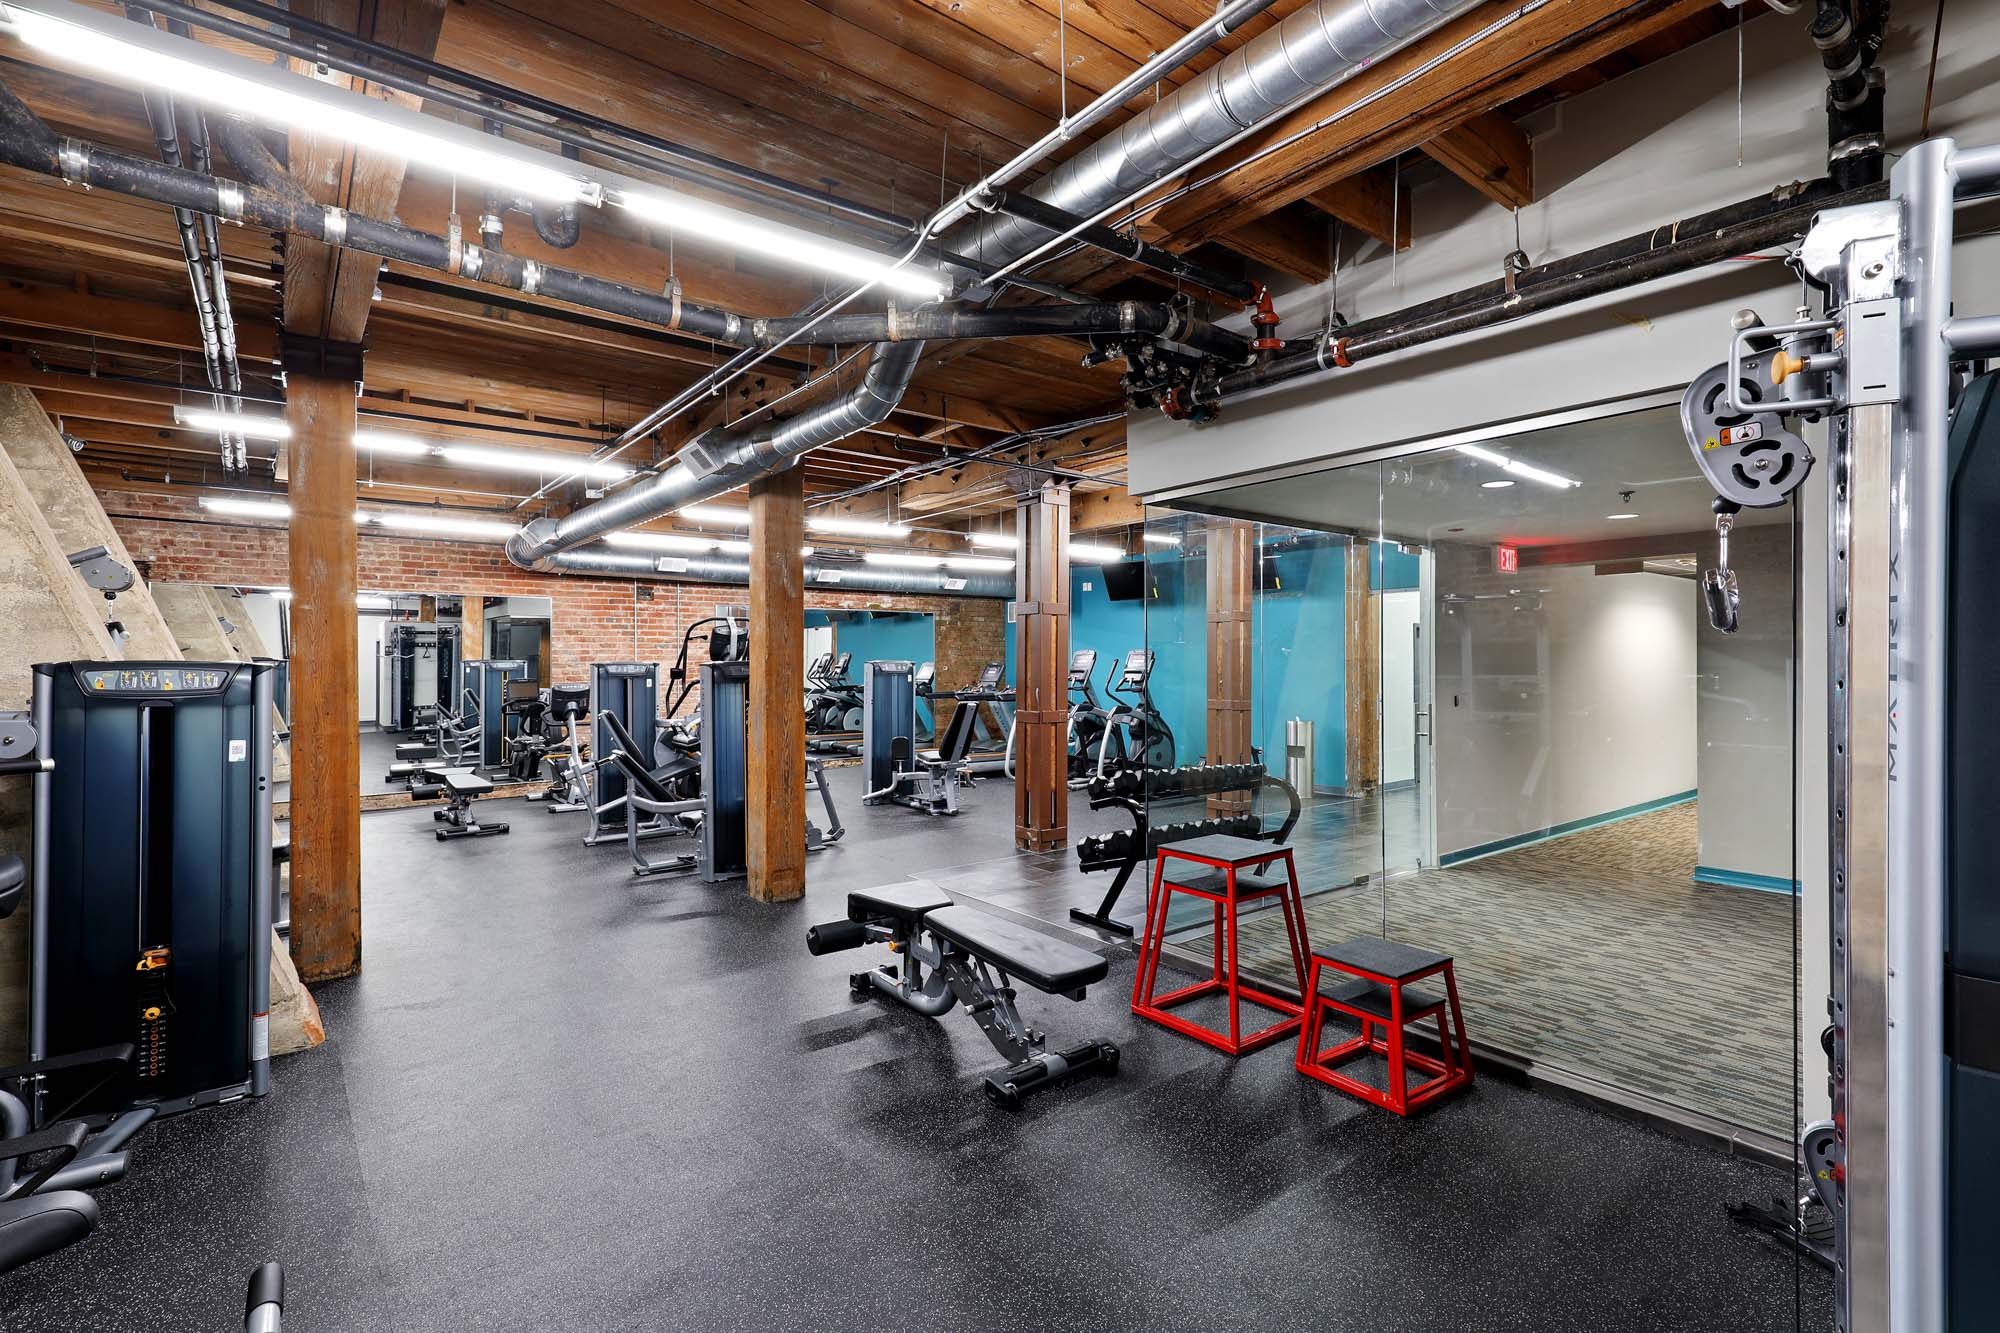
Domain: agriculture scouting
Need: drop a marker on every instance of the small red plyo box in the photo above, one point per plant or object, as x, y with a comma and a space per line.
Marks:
1378, 992
1226, 872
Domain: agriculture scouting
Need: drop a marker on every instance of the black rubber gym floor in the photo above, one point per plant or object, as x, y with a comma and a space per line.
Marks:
562, 1098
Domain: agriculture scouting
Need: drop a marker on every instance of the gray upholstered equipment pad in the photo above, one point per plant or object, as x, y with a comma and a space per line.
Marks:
464, 780
904, 903
1385, 958
1043, 963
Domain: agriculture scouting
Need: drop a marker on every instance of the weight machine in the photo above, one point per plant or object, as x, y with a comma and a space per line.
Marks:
1905, 1167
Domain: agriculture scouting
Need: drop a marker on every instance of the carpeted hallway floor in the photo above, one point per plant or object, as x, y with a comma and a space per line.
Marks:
1598, 954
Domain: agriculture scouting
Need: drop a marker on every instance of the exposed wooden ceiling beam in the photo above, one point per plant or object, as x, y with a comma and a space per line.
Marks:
1297, 154
1491, 154
1371, 202
329, 290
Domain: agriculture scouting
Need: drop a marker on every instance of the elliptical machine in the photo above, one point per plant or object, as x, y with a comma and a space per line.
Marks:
1135, 733
1086, 717
833, 703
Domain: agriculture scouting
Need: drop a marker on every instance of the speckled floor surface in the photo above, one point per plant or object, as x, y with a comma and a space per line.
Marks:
560, 1098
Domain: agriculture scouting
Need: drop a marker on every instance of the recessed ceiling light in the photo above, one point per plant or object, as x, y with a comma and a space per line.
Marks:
1619, 516
1494, 485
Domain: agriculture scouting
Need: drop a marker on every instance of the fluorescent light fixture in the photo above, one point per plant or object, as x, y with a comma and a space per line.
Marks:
390, 442
246, 508
203, 74
976, 562
229, 423
734, 546
1532, 473
742, 231
1495, 485
997, 541
282, 594
1616, 517
527, 460
898, 560
658, 541
1084, 553
722, 515
1163, 538
859, 527
1545, 477
373, 601
409, 521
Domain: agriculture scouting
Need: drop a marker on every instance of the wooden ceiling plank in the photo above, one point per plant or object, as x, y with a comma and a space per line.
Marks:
911, 94
1541, 45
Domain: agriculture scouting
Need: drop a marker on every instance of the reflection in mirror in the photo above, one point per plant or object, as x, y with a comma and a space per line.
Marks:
839, 644
1519, 740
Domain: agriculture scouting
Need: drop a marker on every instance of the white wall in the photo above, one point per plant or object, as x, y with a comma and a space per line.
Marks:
1650, 148
1401, 613
1559, 705
1746, 714
368, 650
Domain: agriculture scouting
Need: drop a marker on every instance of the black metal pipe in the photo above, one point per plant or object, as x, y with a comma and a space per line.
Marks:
1105, 319
1462, 312
1784, 199
1854, 124
1057, 221
26, 142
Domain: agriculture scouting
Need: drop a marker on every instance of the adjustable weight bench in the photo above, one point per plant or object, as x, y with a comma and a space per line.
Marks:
460, 787
972, 958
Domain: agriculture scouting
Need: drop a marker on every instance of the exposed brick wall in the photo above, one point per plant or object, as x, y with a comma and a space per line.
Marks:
595, 619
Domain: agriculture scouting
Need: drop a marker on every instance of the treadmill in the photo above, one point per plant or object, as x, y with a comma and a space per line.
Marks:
996, 720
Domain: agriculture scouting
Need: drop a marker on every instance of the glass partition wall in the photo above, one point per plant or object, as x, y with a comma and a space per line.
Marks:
1515, 739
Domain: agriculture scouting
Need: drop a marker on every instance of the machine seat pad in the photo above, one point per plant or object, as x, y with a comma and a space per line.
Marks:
42, 1224
463, 781
904, 904
1044, 963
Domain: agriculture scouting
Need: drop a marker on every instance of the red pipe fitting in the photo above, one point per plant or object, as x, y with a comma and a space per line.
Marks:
1264, 319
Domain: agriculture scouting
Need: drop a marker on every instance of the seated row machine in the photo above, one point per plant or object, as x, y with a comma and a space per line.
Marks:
954, 954
893, 769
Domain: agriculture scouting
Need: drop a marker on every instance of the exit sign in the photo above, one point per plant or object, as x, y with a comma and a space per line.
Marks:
1506, 560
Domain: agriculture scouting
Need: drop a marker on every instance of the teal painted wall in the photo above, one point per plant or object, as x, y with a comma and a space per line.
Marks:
895, 636
1300, 633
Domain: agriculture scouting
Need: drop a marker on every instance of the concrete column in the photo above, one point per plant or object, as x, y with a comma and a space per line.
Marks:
1041, 655
50, 617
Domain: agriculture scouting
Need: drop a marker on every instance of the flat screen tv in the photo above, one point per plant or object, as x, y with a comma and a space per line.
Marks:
1125, 580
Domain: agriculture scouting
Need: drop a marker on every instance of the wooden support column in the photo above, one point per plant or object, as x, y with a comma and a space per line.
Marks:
472, 627
321, 381
777, 777
1364, 671
1041, 652
1232, 591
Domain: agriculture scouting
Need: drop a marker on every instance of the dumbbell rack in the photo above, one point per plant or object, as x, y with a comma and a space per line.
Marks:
1133, 789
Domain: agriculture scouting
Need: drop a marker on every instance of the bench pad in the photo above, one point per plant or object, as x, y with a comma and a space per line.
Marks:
463, 781
1043, 963
904, 903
